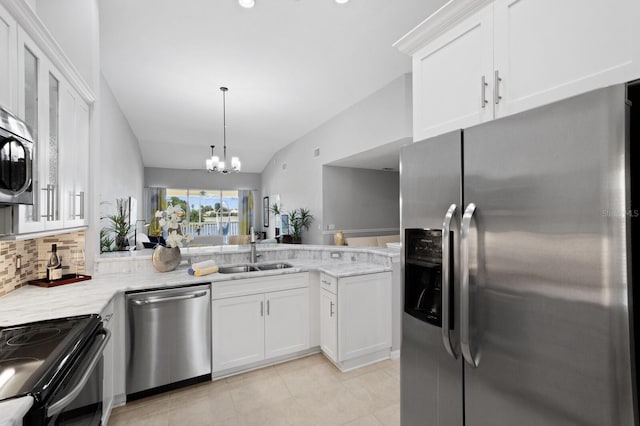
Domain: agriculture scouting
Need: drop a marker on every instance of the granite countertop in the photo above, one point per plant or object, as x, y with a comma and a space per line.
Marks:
32, 303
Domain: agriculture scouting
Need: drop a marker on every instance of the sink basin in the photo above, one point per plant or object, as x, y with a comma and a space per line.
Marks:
270, 266
236, 269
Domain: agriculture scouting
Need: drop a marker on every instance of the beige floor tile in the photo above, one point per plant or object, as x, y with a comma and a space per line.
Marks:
203, 411
251, 376
369, 420
309, 391
335, 405
389, 416
199, 391
216, 407
301, 363
147, 406
378, 388
311, 379
273, 415
257, 393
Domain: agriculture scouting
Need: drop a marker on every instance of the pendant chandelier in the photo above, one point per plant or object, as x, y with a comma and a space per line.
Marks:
214, 164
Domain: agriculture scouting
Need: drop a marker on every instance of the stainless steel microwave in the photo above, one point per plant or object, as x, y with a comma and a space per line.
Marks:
16, 160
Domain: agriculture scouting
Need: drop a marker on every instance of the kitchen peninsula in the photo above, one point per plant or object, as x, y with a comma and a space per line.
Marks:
315, 265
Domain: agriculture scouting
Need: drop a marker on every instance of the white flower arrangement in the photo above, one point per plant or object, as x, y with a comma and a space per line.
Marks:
171, 218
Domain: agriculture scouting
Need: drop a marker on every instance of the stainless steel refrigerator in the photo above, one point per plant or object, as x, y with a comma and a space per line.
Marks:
516, 270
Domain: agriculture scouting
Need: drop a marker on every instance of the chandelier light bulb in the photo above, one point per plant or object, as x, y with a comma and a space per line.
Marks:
342, 1
247, 4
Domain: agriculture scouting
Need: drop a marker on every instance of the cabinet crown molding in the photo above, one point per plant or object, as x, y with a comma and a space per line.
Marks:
35, 28
442, 19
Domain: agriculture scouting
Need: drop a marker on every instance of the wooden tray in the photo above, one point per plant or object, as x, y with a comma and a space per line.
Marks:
66, 279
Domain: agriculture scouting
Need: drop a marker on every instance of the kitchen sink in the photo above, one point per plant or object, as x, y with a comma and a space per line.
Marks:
270, 266
253, 268
237, 269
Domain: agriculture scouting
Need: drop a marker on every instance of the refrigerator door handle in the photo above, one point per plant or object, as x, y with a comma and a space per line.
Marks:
464, 285
446, 279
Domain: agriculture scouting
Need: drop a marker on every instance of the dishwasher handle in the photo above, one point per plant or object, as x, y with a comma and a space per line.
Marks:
142, 302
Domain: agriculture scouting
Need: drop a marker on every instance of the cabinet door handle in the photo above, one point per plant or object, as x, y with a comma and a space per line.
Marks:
79, 215
483, 91
496, 87
331, 309
267, 307
261, 309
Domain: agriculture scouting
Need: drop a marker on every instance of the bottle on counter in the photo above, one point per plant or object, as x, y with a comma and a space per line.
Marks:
54, 266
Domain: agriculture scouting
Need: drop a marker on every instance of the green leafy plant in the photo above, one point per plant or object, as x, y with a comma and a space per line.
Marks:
106, 242
299, 219
275, 209
119, 223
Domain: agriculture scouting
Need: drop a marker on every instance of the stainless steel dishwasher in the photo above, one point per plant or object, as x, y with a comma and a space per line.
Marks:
168, 340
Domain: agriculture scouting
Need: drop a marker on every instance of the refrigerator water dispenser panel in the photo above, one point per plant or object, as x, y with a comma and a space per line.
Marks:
423, 275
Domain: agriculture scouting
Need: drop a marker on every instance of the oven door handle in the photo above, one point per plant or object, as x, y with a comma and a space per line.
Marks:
57, 407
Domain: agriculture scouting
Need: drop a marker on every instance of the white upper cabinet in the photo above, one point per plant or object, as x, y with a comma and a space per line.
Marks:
476, 60
547, 50
8, 61
39, 106
74, 156
449, 76
39, 84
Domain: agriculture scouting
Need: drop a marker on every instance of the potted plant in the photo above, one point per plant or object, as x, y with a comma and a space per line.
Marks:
119, 224
275, 211
167, 257
299, 219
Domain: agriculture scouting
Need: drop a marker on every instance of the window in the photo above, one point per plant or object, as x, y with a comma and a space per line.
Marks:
214, 211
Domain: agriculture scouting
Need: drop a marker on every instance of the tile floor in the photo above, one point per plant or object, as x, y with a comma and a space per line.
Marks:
306, 391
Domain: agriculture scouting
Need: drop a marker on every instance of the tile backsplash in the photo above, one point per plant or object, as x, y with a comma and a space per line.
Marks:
34, 256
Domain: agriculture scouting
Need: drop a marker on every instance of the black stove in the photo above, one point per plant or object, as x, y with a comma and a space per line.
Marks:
45, 359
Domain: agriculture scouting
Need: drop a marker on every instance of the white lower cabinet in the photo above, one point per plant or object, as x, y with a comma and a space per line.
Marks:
329, 324
355, 318
252, 324
238, 331
286, 324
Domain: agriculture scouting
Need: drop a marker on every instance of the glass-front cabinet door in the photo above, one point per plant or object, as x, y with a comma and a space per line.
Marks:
39, 106
74, 132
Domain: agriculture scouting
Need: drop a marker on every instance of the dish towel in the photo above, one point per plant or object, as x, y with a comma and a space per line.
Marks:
203, 268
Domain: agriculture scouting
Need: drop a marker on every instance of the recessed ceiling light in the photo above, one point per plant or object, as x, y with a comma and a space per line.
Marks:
341, 1
247, 3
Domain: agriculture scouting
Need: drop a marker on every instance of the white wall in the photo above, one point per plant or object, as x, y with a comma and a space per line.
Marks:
381, 118
75, 26
360, 201
121, 167
199, 179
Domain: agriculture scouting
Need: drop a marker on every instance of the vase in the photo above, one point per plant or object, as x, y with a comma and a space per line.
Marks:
166, 259
338, 238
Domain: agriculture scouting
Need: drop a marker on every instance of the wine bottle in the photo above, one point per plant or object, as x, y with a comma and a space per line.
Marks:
54, 267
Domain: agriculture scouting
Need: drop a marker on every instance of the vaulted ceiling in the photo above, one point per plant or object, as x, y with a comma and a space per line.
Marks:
290, 65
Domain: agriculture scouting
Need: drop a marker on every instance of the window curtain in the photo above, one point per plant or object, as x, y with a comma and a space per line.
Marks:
246, 212
156, 199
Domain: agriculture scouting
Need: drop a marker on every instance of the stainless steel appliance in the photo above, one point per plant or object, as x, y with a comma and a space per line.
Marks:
58, 362
16, 160
523, 315
168, 341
